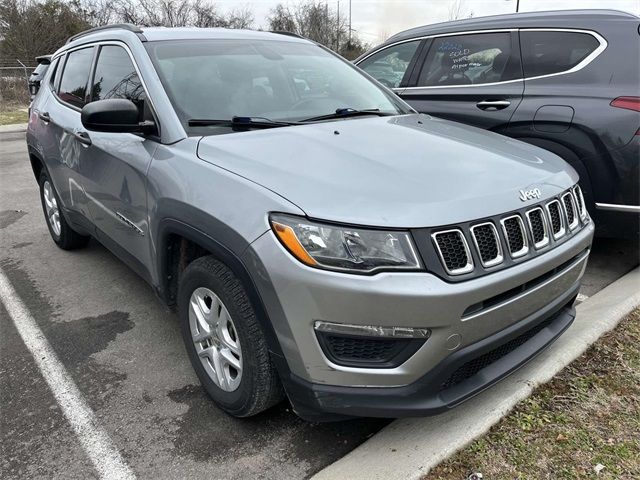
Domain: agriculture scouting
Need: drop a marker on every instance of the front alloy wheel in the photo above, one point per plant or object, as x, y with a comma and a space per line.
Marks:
215, 339
225, 340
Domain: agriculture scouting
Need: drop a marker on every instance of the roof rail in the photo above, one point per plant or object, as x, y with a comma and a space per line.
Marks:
289, 34
124, 26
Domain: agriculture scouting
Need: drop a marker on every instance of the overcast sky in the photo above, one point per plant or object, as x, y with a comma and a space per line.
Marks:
376, 20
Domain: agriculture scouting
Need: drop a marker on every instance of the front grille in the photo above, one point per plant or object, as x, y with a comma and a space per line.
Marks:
487, 242
555, 216
477, 247
569, 210
538, 227
513, 229
454, 251
473, 366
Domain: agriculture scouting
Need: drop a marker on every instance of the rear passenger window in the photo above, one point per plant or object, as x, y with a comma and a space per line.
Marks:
116, 77
389, 65
55, 72
469, 60
546, 52
73, 85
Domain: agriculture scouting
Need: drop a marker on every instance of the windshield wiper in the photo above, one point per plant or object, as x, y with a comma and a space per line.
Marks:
349, 112
240, 123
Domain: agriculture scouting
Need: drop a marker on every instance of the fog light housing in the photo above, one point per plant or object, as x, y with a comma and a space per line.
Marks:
368, 346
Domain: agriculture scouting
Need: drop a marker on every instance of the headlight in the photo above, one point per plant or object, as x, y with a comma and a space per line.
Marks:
345, 248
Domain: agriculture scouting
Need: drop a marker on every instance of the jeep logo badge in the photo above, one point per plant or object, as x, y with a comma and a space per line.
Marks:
529, 194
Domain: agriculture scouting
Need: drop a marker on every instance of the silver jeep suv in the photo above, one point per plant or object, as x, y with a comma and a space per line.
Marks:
319, 239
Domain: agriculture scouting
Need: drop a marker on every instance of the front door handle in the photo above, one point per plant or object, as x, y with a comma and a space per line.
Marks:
493, 104
44, 116
82, 137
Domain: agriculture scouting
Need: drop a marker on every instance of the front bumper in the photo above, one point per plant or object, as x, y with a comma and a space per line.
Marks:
295, 296
455, 379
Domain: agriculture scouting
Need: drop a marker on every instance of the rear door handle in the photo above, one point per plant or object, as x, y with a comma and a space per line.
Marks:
44, 116
493, 104
82, 137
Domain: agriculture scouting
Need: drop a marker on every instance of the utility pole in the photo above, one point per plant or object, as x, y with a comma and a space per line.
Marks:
517, 5
349, 44
338, 30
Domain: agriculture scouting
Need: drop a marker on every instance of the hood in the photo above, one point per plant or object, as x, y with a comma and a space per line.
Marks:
402, 171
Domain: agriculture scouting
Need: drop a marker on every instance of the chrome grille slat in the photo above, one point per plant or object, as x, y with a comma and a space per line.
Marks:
582, 210
556, 218
454, 251
569, 204
487, 243
538, 227
514, 233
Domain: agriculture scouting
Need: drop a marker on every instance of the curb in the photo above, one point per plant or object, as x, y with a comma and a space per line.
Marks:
14, 128
409, 448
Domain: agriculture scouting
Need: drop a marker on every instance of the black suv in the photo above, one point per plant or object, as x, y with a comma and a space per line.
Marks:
567, 81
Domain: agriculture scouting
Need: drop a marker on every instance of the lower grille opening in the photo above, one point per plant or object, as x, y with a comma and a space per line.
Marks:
472, 367
504, 296
370, 352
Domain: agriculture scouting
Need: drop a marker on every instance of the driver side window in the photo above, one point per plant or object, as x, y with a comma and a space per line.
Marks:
389, 65
469, 60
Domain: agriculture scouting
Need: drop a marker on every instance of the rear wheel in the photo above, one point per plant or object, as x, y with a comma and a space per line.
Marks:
224, 340
61, 233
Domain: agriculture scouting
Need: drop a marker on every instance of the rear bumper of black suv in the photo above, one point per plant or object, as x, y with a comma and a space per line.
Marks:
457, 378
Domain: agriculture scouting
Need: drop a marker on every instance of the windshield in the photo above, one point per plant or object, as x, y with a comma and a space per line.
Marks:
275, 80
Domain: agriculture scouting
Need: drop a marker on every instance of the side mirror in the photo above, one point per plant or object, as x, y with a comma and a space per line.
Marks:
115, 115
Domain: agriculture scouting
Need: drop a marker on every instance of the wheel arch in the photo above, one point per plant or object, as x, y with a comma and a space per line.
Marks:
179, 244
37, 163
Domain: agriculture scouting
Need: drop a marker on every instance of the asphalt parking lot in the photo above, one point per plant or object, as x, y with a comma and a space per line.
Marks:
123, 351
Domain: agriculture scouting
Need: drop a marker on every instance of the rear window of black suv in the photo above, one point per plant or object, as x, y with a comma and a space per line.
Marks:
548, 52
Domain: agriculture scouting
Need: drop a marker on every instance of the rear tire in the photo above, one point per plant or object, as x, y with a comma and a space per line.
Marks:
61, 232
225, 341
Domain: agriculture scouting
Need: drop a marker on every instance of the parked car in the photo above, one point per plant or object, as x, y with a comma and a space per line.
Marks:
566, 81
38, 74
324, 242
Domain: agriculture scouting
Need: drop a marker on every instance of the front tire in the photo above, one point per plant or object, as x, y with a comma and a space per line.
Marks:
225, 342
61, 232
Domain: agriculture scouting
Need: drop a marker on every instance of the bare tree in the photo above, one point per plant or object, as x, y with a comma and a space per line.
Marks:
315, 20
456, 10
281, 19
239, 18
178, 13
26, 27
94, 12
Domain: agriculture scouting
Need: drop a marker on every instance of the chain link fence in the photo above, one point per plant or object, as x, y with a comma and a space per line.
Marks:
14, 76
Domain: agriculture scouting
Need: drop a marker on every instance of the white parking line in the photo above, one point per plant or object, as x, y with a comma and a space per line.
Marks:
94, 440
